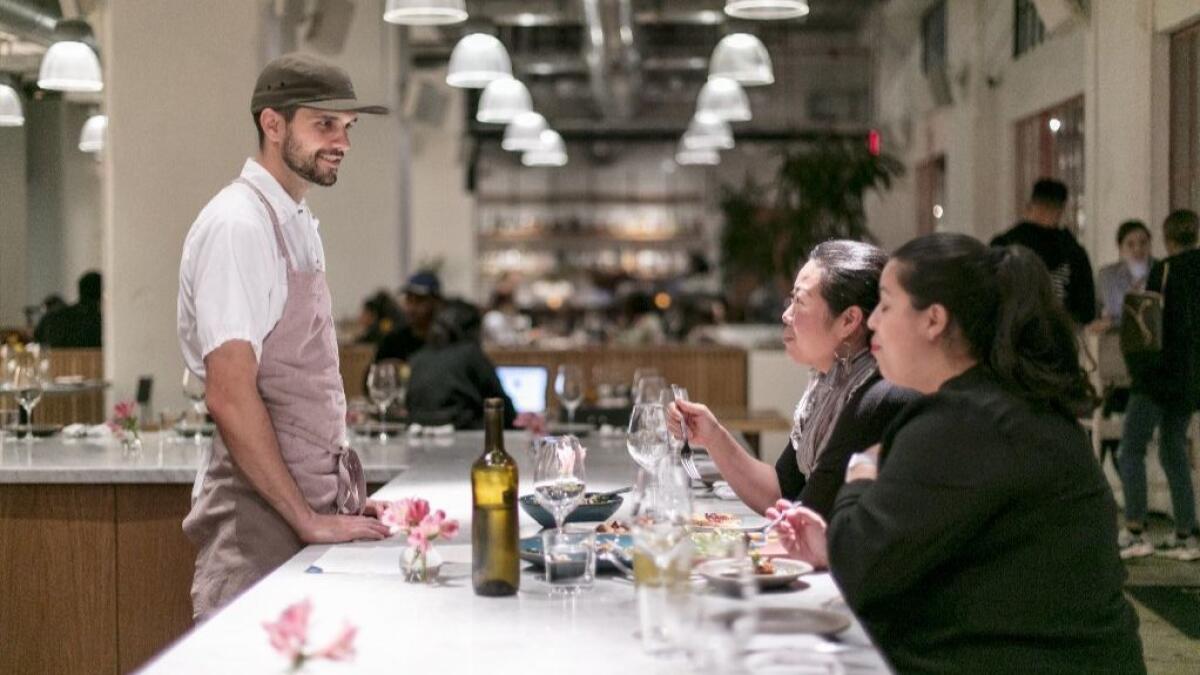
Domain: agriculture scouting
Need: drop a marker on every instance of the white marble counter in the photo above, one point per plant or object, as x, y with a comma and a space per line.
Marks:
447, 628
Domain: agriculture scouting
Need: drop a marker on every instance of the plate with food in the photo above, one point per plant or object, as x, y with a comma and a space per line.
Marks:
594, 507
191, 429
793, 620
530, 550
769, 573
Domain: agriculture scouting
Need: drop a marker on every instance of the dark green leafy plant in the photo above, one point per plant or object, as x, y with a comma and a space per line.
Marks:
818, 195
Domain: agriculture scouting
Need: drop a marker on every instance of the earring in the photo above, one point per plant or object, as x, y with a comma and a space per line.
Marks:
842, 353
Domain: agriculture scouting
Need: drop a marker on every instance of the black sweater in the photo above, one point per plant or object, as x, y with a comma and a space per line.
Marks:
859, 426
988, 542
1067, 262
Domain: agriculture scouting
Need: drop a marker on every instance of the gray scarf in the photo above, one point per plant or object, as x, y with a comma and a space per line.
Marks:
822, 402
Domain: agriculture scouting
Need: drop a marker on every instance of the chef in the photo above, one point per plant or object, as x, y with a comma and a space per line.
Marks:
255, 323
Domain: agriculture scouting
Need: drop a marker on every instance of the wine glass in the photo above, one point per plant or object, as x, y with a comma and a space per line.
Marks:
650, 389
383, 386
647, 439
568, 385
29, 384
558, 478
193, 388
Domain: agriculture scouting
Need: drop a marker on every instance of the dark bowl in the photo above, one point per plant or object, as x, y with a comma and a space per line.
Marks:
585, 513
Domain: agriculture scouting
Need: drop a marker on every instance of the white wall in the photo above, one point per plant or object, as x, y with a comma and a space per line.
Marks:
1116, 59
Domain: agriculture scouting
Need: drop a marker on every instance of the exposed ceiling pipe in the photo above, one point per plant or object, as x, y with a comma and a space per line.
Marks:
610, 51
33, 23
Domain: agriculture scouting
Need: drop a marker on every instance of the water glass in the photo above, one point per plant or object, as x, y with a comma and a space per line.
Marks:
194, 390
570, 560
650, 389
722, 616
662, 557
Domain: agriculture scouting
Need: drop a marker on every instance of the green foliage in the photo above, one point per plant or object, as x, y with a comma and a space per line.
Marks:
817, 196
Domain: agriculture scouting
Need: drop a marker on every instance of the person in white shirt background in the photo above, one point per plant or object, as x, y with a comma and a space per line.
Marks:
255, 323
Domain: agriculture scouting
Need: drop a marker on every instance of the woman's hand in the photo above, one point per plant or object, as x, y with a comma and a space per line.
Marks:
802, 533
703, 429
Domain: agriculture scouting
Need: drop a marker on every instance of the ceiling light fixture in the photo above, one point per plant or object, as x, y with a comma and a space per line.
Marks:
91, 139
69, 64
742, 57
707, 132
425, 12
551, 151
503, 100
524, 132
477, 60
11, 114
725, 99
766, 10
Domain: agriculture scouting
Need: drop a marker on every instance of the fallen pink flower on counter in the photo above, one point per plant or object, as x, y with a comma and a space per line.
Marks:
288, 635
342, 647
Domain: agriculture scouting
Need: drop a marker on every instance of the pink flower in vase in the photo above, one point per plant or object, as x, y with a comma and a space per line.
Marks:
342, 647
418, 540
415, 511
289, 633
402, 515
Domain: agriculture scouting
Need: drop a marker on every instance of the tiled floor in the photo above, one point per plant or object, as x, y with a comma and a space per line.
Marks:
1167, 650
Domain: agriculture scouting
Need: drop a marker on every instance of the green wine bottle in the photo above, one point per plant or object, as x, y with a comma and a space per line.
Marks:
495, 565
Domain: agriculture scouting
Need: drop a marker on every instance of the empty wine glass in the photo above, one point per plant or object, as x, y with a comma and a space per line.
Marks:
29, 383
558, 478
662, 553
650, 389
193, 389
383, 386
647, 439
568, 385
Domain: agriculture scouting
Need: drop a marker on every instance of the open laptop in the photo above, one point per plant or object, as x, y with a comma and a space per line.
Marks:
526, 386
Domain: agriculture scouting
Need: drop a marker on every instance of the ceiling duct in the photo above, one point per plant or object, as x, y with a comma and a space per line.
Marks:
34, 23
610, 51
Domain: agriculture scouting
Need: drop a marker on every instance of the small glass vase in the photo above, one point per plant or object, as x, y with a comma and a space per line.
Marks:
418, 567
131, 444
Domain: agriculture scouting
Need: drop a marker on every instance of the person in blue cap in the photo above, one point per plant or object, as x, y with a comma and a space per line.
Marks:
421, 299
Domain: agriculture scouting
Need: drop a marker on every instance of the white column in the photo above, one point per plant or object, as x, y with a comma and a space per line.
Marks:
13, 216
1119, 123
178, 79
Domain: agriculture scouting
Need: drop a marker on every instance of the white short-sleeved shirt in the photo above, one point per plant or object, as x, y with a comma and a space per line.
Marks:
232, 277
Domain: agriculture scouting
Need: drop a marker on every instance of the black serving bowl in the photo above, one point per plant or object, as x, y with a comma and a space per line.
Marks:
584, 513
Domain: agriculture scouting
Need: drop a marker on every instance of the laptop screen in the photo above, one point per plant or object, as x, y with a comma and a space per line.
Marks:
525, 385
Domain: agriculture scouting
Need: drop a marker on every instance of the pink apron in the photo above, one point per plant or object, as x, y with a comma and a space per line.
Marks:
239, 536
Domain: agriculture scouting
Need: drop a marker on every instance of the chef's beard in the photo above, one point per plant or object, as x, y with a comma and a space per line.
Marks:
306, 167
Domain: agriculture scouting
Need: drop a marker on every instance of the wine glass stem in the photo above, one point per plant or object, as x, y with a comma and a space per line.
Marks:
28, 423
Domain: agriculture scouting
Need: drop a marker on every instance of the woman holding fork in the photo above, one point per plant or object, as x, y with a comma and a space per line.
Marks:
847, 403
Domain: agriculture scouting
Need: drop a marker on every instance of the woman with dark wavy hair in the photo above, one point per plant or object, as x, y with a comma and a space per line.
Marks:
983, 536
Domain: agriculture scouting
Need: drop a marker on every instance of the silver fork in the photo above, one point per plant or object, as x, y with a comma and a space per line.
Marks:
685, 453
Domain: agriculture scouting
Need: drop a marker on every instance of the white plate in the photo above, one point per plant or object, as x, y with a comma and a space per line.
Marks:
792, 620
786, 571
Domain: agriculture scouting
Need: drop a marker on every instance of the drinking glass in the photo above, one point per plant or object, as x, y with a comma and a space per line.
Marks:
570, 559
29, 384
193, 389
10, 419
662, 556
568, 385
722, 614
647, 439
383, 386
558, 476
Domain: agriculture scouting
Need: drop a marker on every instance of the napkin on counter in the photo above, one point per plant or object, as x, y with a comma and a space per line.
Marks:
722, 490
415, 430
359, 559
86, 431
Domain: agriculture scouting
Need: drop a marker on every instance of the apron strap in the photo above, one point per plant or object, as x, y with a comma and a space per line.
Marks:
283, 249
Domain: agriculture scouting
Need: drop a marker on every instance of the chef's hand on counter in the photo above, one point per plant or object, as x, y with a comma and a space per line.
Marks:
332, 529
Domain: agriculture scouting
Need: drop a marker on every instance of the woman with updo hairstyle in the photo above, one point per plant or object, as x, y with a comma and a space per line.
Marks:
981, 535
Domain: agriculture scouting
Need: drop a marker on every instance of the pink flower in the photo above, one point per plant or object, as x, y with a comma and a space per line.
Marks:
402, 515
289, 633
342, 647
123, 410
418, 540
415, 511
